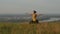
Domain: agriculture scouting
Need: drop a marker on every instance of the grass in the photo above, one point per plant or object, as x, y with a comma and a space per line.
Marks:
41, 28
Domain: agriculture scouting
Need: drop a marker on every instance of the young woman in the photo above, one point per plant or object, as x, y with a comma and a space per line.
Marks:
34, 17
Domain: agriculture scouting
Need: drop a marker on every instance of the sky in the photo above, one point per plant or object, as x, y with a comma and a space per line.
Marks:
27, 6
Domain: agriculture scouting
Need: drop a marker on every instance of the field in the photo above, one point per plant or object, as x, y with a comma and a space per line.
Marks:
41, 28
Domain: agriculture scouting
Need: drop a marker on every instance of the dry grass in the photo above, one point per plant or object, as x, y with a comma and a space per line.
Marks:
41, 28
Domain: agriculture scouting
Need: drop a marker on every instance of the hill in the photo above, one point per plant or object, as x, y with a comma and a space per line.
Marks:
19, 28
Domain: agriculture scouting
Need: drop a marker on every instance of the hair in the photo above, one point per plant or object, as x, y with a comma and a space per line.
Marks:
34, 11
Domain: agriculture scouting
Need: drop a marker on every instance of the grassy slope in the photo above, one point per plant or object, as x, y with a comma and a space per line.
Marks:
41, 28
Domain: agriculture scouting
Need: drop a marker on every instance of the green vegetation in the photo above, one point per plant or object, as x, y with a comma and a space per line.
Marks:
41, 28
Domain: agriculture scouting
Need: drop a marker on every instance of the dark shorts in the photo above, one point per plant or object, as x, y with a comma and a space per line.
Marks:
34, 21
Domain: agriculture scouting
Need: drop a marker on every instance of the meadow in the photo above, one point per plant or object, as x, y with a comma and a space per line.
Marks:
19, 28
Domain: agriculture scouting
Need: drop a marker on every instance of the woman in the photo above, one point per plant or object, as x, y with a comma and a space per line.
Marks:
34, 17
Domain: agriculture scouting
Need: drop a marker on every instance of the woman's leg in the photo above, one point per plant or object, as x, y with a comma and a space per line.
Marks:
37, 21
31, 21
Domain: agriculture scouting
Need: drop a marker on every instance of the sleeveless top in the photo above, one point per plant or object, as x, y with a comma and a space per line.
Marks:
34, 17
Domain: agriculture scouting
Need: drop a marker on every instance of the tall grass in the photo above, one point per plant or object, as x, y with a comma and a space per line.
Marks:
41, 28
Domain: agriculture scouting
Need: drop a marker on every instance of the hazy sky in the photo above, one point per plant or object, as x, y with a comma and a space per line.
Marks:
23, 6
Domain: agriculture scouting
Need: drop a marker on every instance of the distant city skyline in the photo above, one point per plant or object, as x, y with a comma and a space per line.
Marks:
27, 6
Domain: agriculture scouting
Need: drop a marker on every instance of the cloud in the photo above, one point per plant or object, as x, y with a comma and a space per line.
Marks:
21, 6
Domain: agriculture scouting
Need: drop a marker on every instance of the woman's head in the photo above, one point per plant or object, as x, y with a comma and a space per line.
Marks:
34, 11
